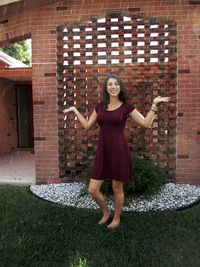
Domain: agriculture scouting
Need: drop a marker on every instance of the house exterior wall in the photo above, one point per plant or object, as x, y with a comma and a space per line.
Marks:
41, 25
8, 120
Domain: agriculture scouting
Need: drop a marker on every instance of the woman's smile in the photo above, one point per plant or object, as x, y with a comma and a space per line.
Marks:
113, 87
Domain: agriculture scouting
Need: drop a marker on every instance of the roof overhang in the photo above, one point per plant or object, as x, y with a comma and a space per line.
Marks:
6, 2
18, 74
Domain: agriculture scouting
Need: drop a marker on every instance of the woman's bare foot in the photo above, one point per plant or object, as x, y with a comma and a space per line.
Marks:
104, 218
114, 224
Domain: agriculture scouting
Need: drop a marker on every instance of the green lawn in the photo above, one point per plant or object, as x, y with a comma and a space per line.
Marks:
36, 233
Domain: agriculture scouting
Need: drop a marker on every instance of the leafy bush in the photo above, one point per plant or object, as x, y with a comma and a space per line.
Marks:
79, 263
147, 180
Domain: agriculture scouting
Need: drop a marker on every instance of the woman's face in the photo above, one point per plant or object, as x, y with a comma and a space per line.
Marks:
113, 87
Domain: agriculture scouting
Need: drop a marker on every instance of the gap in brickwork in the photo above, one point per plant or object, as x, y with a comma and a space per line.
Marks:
142, 37
142, 51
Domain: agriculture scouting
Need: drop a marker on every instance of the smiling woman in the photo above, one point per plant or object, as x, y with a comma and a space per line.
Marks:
113, 158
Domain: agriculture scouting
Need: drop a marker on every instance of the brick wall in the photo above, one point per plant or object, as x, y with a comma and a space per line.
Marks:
41, 24
8, 124
127, 44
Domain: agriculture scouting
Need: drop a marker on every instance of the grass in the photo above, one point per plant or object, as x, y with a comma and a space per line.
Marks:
36, 233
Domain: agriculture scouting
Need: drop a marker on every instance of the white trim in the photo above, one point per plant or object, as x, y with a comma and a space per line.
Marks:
6, 2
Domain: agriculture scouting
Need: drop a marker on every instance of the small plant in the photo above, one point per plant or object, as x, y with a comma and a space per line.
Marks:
79, 263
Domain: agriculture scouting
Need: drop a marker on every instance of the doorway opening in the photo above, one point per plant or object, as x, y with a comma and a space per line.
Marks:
17, 161
24, 106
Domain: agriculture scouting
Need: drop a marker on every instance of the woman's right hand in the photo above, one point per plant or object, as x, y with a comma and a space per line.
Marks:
66, 110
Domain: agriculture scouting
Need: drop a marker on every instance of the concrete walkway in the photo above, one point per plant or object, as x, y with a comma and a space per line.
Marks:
17, 167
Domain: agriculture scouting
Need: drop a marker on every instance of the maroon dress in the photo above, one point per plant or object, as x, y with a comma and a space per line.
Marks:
113, 157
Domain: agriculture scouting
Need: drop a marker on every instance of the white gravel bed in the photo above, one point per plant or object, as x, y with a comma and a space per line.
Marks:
170, 197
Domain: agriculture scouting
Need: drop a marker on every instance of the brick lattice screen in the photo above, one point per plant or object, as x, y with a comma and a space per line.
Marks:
142, 50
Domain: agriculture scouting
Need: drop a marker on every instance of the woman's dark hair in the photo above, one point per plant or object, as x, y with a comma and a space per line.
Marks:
123, 96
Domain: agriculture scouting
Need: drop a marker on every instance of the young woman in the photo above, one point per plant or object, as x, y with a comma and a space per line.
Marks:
113, 158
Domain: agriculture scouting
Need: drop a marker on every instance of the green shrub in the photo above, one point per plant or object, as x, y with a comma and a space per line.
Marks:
147, 180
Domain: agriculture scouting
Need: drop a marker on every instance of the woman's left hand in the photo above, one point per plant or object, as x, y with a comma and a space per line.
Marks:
160, 99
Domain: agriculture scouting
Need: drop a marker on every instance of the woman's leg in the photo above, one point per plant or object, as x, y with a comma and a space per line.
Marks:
118, 191
94, 191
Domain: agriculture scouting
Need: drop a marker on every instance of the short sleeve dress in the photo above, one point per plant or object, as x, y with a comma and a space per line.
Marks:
113, 157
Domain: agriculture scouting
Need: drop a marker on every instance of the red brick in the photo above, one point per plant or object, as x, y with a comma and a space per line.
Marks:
41, 26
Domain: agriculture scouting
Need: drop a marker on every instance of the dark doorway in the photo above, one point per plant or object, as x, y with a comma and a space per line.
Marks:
24, 115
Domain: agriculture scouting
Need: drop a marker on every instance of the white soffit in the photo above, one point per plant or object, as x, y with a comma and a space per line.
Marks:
6, 2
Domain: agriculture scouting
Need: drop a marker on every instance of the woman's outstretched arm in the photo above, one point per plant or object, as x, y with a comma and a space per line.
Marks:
87, 124
147, 121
